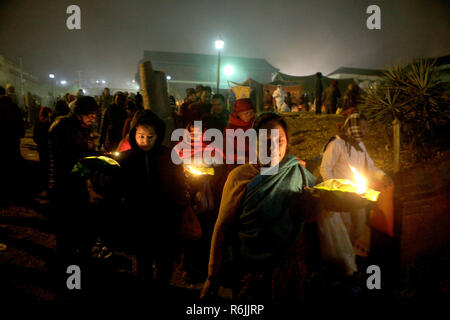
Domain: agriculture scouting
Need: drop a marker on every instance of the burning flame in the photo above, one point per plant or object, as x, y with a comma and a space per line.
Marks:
199, 171
194, 171
360, 182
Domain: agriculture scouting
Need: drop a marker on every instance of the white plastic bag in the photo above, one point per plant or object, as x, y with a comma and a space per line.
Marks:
335, 245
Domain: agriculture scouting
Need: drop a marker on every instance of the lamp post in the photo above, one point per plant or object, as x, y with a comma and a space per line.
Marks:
52, 76
219, 46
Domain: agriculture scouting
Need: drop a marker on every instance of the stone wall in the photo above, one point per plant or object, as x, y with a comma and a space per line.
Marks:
423, 211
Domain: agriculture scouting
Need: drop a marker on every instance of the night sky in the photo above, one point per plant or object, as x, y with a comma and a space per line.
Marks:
298, 37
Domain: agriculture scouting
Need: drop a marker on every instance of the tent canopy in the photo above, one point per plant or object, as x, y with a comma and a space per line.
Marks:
308, 83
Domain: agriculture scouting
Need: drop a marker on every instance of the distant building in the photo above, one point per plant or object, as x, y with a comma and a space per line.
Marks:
186, 70
11, 73
363, 77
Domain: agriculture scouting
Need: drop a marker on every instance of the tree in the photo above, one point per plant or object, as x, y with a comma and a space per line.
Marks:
415, 95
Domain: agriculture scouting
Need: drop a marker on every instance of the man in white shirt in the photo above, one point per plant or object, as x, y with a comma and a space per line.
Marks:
279, 95
347, 150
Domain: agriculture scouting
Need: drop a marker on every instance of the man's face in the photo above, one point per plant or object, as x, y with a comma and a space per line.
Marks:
246, 116
217, 106
205, 97
87, 120
145, 137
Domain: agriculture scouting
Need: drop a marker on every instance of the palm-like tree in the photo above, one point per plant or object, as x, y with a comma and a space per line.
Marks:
414, 94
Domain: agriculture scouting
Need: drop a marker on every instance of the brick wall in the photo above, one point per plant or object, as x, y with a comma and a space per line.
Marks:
423, 211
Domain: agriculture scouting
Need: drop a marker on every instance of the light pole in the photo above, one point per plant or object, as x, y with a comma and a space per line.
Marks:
52, 76
219, 46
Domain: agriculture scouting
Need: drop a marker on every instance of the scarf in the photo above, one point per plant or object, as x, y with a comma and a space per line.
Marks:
269, 225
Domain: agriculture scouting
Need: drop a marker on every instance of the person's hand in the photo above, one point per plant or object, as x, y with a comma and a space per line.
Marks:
387, 181
94, 197
210, 287
301, 162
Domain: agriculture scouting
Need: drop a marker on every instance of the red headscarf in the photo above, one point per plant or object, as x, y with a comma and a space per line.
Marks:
234, 121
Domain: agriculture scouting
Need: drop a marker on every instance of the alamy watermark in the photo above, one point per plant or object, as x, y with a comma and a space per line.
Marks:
236, 147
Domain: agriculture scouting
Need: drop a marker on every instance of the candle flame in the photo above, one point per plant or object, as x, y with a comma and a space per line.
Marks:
360, 182
194, 171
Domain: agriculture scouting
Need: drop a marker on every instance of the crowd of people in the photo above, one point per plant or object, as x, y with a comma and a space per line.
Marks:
112, 183
330, 102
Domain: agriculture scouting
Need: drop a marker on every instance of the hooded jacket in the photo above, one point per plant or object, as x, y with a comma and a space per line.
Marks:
153, 186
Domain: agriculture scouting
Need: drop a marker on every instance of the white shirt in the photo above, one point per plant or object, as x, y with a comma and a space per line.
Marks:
336, 162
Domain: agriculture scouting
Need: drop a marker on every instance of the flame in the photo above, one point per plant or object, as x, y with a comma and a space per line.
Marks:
200, 171
360, 182
195, 171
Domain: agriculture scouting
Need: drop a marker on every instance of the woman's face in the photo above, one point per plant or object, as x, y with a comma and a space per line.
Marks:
246, 116
145, 137
280, 143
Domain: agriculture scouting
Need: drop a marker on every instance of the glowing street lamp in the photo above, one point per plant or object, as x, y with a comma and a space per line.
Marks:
219, 46
228, 70
52, 76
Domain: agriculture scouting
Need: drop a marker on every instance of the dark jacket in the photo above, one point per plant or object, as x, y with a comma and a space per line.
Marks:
216, 121
153, 186
68, 143
330, 97
11, 128
112, 125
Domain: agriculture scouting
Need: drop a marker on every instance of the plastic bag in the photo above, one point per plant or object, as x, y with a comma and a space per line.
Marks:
335, 245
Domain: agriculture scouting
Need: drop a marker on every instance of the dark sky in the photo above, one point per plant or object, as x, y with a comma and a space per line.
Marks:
298, 37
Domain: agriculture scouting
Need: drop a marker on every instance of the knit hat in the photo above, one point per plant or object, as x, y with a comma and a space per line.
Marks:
241, 105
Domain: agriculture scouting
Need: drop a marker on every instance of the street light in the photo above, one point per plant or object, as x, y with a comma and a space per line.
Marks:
228, 70
52, 76
63, 82
219, 46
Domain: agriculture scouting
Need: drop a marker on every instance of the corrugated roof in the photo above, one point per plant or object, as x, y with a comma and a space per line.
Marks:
198, 59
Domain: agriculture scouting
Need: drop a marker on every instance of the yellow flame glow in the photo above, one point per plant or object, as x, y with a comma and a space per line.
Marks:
360, 181
194, 171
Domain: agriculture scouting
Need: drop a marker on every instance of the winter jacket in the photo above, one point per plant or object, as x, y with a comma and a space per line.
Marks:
68, 143
153, 186
112, 125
